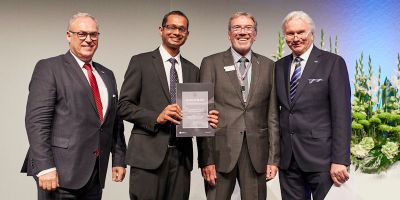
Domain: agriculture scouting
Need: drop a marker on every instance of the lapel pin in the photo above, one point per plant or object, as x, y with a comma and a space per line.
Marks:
315, 61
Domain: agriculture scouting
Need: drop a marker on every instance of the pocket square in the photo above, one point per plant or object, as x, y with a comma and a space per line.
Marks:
314, 80
114, 95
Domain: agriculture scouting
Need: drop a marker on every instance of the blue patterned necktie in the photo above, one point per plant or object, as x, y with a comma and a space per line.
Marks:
294, 81
173, 80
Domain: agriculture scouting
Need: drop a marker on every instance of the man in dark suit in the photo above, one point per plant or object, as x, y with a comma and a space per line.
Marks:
160, 162
315, 117
246, 146
71, 120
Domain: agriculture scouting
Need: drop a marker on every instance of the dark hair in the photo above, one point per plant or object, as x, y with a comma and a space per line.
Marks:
175, 12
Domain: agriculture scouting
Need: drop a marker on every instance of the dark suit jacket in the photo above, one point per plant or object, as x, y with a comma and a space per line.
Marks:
62, 123
144, 95
316, 126
259, 117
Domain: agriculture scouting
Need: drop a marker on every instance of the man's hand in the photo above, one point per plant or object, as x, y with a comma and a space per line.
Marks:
209, 174
49, 181
213, 118
339, 174
270, 172
172, 113
118, 174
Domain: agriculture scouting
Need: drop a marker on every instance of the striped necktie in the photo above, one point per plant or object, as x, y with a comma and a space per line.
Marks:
294, 81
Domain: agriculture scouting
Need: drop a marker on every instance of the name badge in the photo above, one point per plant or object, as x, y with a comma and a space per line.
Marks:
229, 68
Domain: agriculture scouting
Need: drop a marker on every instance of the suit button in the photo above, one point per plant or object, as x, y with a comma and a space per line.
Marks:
292, 133
101, 130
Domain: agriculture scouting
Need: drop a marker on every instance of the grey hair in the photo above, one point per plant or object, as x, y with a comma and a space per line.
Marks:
78, 15
298, 15
246, 14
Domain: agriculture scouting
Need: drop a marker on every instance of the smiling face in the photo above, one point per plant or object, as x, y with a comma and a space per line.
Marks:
174, 33
83, 49
298, 36
242, 34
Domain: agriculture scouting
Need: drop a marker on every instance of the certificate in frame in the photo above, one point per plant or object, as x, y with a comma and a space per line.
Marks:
195, 100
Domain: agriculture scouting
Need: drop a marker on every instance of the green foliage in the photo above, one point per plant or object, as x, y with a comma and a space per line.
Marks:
281, 45
376, 115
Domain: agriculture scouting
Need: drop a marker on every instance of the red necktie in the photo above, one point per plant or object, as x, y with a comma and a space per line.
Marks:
95, 90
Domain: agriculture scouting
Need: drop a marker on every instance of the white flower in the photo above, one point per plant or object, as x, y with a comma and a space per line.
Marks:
359, 151
374, 99
395, 81
390, 149
373, 86
367, 143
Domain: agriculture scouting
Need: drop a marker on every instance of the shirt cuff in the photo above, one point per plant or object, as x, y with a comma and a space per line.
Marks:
46, 171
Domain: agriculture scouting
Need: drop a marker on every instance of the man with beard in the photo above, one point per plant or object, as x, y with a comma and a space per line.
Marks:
315, 117
246, 146
160, 162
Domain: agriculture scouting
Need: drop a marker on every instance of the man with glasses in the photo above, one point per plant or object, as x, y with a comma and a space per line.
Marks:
160, 162
315, 116
71, 120
246, 146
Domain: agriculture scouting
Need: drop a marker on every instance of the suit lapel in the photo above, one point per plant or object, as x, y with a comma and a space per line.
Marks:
311, 66
228, 61
159, 68
185, 71
287, 62
73, 66
255, 74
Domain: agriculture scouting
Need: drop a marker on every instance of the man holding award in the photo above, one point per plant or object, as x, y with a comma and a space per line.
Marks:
246, 145
160, 162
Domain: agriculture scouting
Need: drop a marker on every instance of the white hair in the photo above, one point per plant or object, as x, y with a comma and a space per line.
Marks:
78, 15
298, 15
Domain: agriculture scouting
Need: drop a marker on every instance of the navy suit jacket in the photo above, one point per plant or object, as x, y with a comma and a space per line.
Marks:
63, 126
316, 126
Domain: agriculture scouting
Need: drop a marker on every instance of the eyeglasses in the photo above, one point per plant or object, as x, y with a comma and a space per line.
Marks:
83, 35
171, 28
300, 36
247, 29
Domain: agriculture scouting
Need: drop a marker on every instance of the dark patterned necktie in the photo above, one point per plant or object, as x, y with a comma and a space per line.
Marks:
95, 90
243, 74
294, 81
173, 80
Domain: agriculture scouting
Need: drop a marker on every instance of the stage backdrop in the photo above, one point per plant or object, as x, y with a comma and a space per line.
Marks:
32, 30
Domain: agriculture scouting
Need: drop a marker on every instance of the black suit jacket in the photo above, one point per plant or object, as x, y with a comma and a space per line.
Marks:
316, 126
62, 123
144, 95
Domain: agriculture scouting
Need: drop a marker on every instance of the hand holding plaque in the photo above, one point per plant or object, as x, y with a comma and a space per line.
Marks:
195, 99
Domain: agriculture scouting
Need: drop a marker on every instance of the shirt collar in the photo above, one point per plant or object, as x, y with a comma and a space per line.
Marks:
306, 54
165, 56
237, 56
80, 62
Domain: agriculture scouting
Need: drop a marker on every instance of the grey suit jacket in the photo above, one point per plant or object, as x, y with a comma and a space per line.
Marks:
259, 117
144, 95
62, 123
316, 126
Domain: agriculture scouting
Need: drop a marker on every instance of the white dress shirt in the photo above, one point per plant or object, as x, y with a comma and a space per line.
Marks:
303, 62
165, 56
